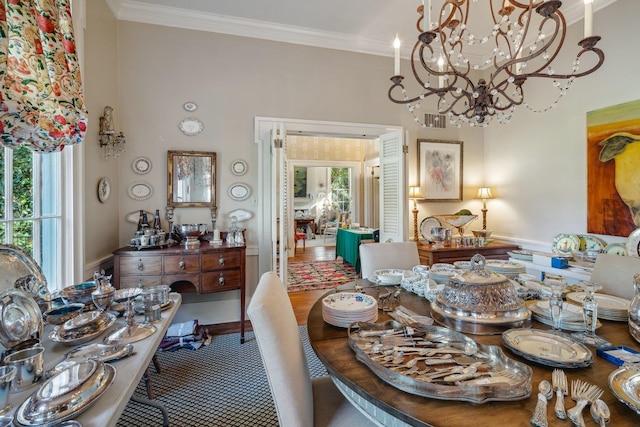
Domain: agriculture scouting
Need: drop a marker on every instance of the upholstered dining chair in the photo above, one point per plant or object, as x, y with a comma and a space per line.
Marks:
615, 274
375, 256
300, 400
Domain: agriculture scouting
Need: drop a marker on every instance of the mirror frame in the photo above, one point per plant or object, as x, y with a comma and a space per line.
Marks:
171, 179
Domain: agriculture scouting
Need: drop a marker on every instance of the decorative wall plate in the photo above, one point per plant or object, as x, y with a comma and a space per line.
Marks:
132, 217
239, 167
588, 241
141, 165
616, 249
191, 126
140, 191
239, 191
565, 243
104, 189
190, 106
241, 214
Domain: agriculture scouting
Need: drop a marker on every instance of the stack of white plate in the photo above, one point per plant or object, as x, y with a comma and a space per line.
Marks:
609, 307
390, 276
509, 269
344, 308
441, 275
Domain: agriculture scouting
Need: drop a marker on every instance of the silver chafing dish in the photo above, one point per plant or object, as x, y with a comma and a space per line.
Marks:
480, 301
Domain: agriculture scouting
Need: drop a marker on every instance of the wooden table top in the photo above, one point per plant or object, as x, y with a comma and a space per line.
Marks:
331, 346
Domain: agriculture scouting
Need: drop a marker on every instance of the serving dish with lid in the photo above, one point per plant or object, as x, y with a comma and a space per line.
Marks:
66, 394
21, 323
480, 301
82, 328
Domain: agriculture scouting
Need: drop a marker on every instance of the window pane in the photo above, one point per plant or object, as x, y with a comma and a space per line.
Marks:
3, 232
22, 183
48, 244
340, 188
50, 185
23, 236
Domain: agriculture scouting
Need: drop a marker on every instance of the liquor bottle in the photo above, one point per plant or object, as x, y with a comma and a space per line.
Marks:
140, 220
156, 221
145, 220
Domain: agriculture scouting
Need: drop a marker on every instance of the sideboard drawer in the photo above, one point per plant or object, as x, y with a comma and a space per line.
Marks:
216, 260
140, 265
178, 264
215, 281
134, 281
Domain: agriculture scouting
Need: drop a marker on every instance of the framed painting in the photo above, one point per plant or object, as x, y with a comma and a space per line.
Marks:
613, 169
440, 170
299, 181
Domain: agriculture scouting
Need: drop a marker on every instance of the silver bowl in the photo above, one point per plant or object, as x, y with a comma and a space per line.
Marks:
78, 293
190, 230
482, 233
59, 315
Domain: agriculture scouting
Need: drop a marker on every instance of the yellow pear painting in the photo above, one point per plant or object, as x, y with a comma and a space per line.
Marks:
613, 169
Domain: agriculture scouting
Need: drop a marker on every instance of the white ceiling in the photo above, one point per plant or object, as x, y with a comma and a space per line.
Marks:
365, 26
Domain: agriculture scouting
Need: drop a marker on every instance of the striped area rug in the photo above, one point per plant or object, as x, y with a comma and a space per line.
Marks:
223, 384
303, 276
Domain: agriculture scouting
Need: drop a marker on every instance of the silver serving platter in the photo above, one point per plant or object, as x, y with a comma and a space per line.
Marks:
83, 334
625, 385
94, 351
20, 318
547, 347
498, 378
66, 394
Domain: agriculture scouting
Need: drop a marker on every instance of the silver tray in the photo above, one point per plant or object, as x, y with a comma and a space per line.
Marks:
20, 318
498, 377
55, 334
547, 347
625, 385
93, 351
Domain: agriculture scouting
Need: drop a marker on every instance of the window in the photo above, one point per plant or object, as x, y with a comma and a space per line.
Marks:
31, 207
341, 187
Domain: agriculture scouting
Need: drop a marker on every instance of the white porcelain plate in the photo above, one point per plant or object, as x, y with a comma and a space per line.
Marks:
104, 189
605, 302
241, 214
349, 301
140, 191
616, 249
633, 243
239, 191
191, 126
588, 241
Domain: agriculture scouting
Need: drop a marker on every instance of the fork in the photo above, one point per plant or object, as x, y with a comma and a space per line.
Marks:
584, 394
559, 381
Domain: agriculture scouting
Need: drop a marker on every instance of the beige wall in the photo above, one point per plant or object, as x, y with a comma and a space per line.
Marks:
324, 148
101, 89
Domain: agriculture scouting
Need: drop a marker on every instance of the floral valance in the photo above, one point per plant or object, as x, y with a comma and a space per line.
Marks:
41, 99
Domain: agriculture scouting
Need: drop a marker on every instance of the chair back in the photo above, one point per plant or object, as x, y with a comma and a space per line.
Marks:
615, 274
376, 256
278, 336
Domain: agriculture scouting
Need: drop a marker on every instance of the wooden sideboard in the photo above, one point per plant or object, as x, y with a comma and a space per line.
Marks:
493, 250
209, 268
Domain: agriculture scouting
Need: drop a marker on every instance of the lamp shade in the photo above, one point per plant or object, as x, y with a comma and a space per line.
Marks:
415, 193
484, 193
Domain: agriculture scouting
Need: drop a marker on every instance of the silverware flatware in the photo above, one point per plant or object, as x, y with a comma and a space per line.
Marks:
545, 392
560, 386
584, 394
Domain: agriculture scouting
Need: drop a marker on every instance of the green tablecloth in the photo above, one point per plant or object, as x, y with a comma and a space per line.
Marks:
347, 243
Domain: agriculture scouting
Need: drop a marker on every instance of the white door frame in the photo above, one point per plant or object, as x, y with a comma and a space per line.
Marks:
262, 137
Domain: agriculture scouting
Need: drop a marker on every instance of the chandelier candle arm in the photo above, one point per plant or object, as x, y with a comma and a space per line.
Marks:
525, 34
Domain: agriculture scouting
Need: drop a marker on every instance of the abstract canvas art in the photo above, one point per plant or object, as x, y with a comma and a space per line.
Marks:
613, 169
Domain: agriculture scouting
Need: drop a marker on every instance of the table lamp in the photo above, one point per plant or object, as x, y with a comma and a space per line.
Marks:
415, 194
484, 193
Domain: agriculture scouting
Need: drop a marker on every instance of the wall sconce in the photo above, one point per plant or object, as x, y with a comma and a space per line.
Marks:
415, 194
112, 143
484, 193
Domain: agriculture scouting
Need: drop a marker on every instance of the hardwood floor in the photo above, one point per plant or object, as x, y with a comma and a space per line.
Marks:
301, 301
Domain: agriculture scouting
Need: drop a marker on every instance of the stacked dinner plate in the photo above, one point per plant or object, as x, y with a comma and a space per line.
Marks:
609, 307
509, 269
572, 316
442, 275
344, 308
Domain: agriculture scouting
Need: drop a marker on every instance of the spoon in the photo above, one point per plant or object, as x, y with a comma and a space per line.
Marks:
545, 392
600, 412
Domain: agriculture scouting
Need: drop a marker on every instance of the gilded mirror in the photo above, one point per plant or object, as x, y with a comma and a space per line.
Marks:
191, 179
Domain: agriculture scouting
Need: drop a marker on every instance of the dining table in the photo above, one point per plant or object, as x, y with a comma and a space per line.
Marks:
392, 406
348, 244
107, 408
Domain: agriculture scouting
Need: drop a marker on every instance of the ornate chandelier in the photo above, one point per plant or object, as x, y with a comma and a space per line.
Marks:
523, 49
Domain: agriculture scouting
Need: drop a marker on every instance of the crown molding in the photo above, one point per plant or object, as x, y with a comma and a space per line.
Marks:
131, 10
